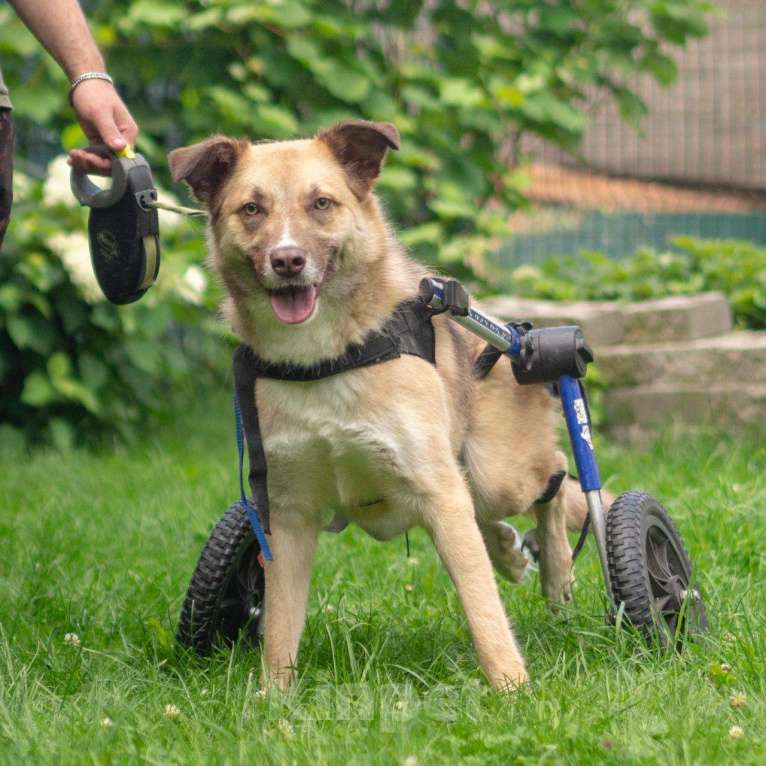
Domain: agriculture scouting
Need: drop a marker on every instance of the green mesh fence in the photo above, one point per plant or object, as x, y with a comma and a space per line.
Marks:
622, 233
695, 167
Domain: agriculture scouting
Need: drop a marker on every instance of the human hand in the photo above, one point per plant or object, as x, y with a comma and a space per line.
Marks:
105, 120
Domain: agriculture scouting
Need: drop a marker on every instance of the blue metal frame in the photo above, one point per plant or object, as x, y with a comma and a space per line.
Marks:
577, 417
507, 337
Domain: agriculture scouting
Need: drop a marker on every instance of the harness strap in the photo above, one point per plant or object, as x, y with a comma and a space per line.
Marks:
248, 428
581, 539
554, 485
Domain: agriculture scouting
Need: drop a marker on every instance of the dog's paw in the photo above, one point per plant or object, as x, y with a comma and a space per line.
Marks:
510, 560
557, 590
511, 680
530, 546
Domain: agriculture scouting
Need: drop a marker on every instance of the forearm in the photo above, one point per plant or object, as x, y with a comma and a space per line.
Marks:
62, 29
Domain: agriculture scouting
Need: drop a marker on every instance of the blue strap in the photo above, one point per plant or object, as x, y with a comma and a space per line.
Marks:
252, 516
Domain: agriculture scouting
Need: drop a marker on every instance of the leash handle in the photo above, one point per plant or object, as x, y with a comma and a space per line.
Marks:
252, 516
87, 193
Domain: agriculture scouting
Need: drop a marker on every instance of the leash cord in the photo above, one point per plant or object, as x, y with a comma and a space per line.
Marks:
180, 209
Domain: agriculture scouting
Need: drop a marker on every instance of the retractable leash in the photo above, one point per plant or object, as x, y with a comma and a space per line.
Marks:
123, 225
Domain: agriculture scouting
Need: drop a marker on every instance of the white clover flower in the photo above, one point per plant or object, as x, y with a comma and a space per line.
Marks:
410, 760
72, 639
172, 712
106, 723
193, 285
736, 732
74, 253
56, 189
738, 699
286, 728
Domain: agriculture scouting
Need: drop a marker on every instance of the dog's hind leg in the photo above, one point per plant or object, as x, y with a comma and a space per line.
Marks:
504, 547
449, 519
287, 587
555, 555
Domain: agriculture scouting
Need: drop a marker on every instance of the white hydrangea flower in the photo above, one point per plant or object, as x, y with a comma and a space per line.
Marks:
193, 285
22, 185
73, 250
56, 189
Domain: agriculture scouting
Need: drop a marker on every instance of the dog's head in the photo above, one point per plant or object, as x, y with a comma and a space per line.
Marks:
286, 217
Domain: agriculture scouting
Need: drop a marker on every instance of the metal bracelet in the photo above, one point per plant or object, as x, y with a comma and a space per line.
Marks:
88, 76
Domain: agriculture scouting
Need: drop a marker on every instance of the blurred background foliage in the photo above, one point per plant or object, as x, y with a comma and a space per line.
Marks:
737, 269
463, 81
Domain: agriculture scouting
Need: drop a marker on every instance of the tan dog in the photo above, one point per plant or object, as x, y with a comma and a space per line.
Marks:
311, 266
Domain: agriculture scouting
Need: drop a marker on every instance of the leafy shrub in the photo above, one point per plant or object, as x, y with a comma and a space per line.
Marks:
737, 269
71, 363
463, 81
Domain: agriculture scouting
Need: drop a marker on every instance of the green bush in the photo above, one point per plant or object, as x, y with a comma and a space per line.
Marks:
737, 269
71, 363
462, 81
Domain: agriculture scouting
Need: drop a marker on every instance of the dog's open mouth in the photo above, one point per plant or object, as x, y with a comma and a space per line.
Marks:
294, 305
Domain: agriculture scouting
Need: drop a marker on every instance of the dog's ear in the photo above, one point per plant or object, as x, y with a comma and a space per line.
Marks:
360, 146
206, 166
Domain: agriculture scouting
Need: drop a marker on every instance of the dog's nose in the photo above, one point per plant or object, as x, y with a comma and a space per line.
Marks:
288, 261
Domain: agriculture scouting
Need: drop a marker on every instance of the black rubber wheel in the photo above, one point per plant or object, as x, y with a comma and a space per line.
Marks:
650, 570
226, 594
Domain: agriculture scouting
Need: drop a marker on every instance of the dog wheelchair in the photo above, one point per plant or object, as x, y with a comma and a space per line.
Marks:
647, 572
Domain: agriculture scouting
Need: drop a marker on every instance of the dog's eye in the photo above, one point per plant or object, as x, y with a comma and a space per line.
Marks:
252, 209
322, 203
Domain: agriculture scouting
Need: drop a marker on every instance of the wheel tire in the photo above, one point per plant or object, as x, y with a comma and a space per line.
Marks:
226, 593
650, 570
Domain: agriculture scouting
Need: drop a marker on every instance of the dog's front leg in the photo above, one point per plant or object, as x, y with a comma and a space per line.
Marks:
450, 520
293, 543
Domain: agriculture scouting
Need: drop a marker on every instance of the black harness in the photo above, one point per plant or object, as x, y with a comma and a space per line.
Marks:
408, 330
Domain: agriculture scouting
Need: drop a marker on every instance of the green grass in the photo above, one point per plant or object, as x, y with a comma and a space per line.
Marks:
103, 546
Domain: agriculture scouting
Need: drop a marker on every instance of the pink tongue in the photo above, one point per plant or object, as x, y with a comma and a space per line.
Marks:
294, 305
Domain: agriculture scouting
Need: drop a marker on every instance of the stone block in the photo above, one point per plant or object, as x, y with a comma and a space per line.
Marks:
602, 323
738, 356
684, 317
724, 406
